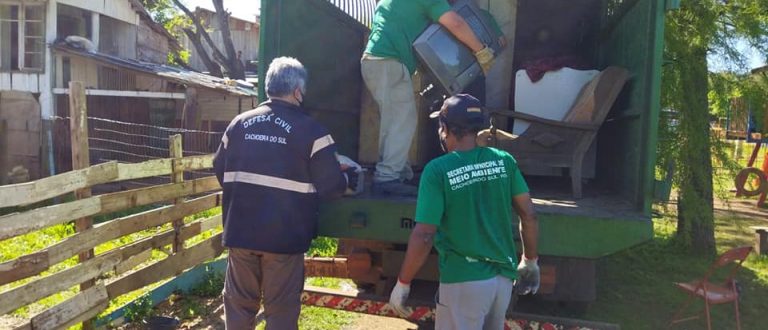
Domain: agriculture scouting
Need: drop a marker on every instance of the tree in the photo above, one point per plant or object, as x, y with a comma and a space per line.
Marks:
698, 29
167, 13
199, 37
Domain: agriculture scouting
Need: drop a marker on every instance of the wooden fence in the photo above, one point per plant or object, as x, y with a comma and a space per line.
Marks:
112, 273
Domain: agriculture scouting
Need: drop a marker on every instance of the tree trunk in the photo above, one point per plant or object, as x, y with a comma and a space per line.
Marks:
213, 67
696, 225
200, 30
235, 68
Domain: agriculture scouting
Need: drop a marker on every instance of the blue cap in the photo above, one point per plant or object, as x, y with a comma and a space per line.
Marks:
461, 110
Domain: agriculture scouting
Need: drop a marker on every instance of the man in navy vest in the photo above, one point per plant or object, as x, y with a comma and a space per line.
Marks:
275, 164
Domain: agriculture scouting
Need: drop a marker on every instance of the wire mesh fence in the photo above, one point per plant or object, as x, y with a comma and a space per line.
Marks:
112, 140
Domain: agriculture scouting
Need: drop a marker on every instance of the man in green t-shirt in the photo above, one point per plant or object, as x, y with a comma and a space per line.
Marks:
465, 204
387, 66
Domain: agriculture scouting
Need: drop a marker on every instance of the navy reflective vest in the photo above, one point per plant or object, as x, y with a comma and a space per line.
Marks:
275, 163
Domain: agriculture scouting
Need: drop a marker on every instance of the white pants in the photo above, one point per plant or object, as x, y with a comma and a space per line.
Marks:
499, 80
391, 85
473, 305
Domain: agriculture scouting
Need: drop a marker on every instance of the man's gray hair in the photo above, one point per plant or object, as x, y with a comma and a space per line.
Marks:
285, 74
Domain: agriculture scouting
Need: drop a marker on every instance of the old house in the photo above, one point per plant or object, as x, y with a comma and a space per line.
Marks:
119, 56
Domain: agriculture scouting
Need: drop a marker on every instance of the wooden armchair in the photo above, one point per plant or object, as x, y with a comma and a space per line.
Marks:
563, 144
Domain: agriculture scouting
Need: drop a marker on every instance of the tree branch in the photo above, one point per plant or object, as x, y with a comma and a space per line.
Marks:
213, 67
217, 55
235, 67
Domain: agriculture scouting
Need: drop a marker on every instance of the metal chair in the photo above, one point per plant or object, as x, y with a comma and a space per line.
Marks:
714, 294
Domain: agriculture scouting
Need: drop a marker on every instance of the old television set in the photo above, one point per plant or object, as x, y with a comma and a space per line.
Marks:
449, 61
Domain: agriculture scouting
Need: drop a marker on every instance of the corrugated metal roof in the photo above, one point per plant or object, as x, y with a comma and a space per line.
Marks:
177, 74
360, 10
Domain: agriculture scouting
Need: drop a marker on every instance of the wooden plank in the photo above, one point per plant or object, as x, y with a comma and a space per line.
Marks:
38, 262
23, 267
33, 84
21, 223
4, 153
157, 167
190, 114
16, 224
39, 289
19, 82
177, 176
166, 268
196, 162
79, 308
150, 168
57, 185
118, 93
26, 326
78, 127
5, 81
200, 226
144, 196
133, 261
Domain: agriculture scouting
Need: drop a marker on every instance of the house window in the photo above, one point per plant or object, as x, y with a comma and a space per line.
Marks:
22, 41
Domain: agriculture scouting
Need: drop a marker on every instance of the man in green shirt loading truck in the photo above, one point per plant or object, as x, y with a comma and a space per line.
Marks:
387, 66
465, 203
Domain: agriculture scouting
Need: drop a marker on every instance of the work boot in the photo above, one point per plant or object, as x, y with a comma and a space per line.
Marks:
395, 188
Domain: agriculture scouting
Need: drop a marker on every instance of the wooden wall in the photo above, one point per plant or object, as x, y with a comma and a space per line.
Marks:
151, 46
216, 106
117, 9
118, 38
21, 81
20, 137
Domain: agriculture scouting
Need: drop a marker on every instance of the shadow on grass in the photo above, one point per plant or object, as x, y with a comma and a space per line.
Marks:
636, 287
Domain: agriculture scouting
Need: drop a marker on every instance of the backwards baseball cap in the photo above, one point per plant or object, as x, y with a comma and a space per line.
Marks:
461, 110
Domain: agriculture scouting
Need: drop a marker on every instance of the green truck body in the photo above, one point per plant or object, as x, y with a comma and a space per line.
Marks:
573, 235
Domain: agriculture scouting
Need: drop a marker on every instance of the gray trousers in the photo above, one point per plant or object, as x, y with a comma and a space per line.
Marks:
278, 279
473, 305
391, 85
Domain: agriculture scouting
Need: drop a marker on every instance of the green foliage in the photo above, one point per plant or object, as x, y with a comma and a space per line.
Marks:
323, 247
210, 286
140, 310
702, 28
162, 11
165, 13
325, 282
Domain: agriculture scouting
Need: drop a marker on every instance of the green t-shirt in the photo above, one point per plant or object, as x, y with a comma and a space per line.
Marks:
397, 23
468, 196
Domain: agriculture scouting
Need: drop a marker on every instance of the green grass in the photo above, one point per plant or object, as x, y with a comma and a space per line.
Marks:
318, 318
635, 287
30, 243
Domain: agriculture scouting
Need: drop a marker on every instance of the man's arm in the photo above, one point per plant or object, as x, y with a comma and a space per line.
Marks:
325, 170
219, 159
419, 246
459, 28
529, 225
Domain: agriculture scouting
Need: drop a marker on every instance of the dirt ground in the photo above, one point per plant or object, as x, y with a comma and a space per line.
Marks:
210, 316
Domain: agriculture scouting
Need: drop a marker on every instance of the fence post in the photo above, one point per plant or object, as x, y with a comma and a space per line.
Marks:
78, 121
177, 152
4, 150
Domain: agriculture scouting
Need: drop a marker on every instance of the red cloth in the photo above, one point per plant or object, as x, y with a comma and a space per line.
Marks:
537, 68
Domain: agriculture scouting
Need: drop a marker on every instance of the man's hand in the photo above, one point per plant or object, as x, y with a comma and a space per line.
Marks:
485, 58
529, 277
398, 297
